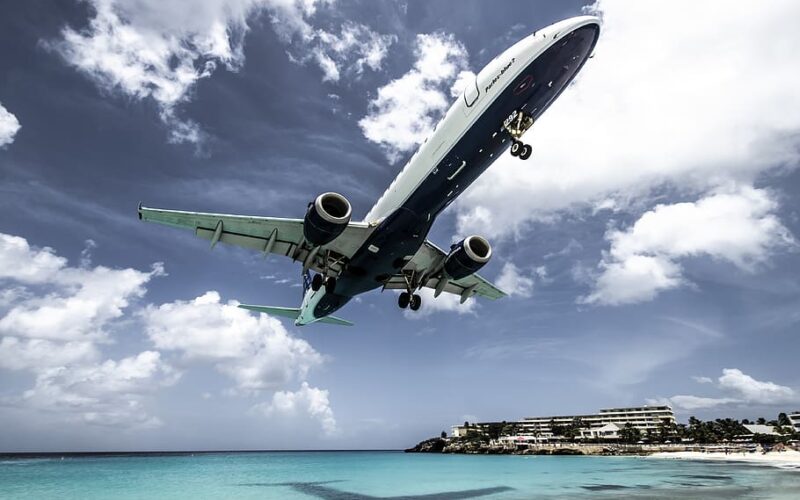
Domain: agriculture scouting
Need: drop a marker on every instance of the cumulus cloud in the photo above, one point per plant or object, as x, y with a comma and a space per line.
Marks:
160, 49
55, 333
688, 108
39, 354
256, 351
515, 281
737, 226
9, 126
108, 393
307, 399
405, 110
754, 391
446, 302
738, 388
76, 303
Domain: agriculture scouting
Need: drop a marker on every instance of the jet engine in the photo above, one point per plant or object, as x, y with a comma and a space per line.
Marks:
467, 256
326, 218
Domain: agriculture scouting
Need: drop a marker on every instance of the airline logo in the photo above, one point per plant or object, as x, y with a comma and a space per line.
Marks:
500, 75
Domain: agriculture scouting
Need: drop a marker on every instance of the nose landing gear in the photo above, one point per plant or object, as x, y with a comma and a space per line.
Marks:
517, 124
521, 150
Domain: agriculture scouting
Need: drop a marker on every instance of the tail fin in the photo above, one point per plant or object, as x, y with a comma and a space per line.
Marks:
293, 313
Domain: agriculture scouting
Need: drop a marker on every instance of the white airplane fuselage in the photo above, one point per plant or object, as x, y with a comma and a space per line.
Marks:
526, 78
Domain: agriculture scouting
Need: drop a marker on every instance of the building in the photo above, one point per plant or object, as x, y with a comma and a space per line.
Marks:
605, 424
794, 417
767, 430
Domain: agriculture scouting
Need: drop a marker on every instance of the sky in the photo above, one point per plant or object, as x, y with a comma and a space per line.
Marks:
650, 245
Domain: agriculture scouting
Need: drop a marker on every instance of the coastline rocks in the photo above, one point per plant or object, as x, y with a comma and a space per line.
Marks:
434, 445
482, 447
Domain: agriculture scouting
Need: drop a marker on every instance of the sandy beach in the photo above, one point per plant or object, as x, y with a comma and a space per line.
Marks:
783, 459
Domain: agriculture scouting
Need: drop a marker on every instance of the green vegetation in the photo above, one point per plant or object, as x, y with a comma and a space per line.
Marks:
630, 434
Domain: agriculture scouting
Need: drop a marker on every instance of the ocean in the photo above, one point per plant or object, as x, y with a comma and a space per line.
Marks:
369, 475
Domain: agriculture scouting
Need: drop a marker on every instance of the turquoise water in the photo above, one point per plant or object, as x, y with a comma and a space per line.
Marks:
365, 475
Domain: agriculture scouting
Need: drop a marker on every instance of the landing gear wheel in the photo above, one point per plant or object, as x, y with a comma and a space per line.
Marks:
416, 301
404, 300
526, 152
516, 148
330, 284
316, 282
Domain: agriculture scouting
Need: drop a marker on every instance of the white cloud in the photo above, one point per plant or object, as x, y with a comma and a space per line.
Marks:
446, 302
739, 389
256, 351
160, 49
39, 354
75, 303
514, 281
108, 393
405, 110
687, 402
9, 126
309, 400
80, 306
738, 226
54, 334
20, 262
669, 100
636, 279
353, 49
755, 391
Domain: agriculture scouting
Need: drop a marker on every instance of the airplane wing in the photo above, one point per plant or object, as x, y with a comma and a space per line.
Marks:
268, 235
428, 261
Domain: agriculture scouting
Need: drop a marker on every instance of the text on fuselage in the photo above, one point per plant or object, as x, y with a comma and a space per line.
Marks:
500, 75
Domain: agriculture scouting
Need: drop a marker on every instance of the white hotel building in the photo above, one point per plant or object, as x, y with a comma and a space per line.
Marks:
794, 417
605, 424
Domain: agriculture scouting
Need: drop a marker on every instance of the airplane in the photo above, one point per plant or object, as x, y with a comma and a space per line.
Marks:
389, 248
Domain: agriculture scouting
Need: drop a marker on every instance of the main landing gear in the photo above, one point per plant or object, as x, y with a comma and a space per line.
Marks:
517, 124
412, 301
318, 282
409, 298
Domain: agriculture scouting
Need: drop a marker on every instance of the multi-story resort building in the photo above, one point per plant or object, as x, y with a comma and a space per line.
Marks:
794, 417
603, 425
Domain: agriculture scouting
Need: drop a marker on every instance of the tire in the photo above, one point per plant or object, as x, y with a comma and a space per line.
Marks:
526, 152
316, 282
330, 285
416, 301
516, 146
404, 300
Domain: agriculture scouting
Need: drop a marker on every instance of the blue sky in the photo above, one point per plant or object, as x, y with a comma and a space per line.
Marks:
650, 244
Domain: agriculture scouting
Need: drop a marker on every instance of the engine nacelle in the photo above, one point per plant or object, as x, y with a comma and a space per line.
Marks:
467, 256
326, 218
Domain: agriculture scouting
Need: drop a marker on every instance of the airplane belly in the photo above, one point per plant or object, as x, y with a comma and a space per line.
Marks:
533, 90
402, 230
471, 136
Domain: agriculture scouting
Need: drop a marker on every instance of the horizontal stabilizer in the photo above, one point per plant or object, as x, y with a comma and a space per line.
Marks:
293, 313
286, 312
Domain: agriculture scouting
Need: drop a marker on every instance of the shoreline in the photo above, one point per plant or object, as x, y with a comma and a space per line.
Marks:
787, 459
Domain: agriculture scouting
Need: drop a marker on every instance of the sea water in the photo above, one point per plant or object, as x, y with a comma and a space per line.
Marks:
367, 475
